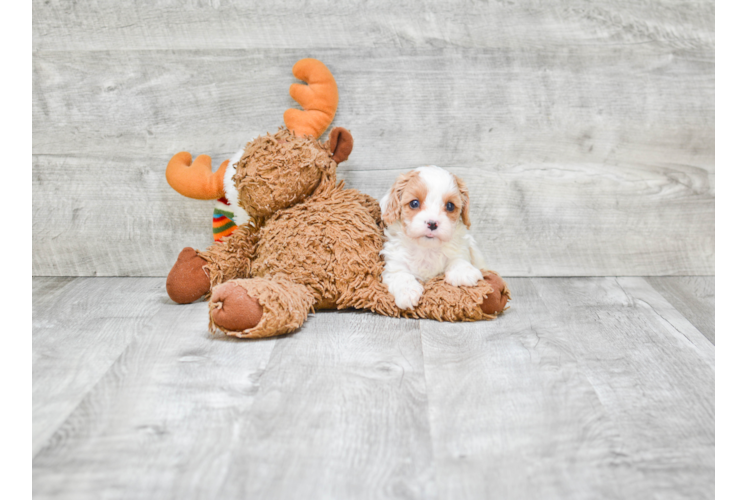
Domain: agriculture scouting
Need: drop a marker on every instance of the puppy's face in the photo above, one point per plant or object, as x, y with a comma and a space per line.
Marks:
429, 202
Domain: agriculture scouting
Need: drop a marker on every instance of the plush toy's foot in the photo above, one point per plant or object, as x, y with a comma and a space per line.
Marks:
232, 309
259, 307
187, 280
496, 301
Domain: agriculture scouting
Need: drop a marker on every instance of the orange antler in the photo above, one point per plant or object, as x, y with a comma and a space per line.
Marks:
319, 99
195, 180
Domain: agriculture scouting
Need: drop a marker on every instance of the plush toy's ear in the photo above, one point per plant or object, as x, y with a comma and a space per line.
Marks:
340, 142
465, 201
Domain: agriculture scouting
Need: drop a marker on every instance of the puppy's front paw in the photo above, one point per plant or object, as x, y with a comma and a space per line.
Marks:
407, 293
463, 274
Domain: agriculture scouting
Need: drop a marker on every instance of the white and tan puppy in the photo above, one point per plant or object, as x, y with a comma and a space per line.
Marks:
427, 214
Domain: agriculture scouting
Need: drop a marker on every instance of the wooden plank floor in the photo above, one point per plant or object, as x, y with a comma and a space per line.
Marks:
586, 388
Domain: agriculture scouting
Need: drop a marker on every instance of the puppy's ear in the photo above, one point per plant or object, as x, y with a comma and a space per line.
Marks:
465, 201
391, 203
340, 142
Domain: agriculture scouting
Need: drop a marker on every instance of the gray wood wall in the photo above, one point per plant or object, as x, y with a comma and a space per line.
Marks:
585, 130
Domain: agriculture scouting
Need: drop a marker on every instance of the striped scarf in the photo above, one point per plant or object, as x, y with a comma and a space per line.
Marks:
223, 220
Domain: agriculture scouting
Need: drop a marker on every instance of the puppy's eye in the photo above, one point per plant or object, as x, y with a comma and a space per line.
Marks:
414, 204
450, 206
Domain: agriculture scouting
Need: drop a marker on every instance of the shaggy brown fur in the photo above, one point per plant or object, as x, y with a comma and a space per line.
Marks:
285, 306
313, 243
280, 170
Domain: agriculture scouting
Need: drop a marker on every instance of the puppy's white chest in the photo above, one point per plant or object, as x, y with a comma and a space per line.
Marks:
425, 263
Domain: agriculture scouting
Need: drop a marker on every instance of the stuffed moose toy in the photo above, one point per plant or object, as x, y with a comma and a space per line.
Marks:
307, 242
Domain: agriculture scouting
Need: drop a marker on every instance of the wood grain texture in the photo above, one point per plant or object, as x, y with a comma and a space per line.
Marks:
115, 216
159, 420
336, 410
512, 413
80, 328
730, 64
528, 219
586, 130
586, 388
230, 24
692, 296
341, 413
463, 106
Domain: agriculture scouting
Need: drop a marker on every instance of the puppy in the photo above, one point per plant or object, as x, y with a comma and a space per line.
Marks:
427, 215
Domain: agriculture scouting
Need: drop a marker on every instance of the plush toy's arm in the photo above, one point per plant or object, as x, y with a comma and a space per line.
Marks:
444, 302
231, 258
196, 273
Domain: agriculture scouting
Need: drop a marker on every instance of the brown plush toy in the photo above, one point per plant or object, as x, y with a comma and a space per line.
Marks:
308, 242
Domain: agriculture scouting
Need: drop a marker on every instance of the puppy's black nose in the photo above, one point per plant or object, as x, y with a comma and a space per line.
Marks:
432, 225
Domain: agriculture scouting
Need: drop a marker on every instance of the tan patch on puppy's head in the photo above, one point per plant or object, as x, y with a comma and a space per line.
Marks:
456, 199
407, 187
464, 199
415, 190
